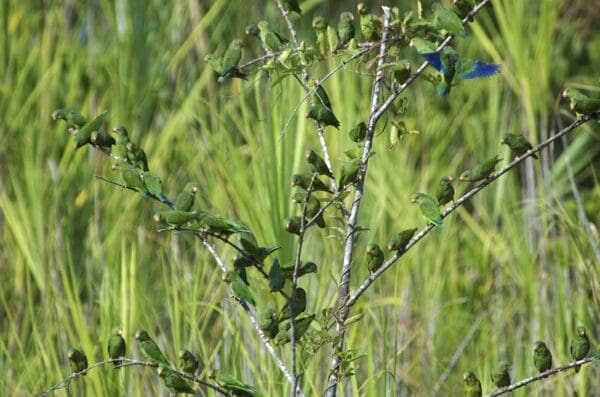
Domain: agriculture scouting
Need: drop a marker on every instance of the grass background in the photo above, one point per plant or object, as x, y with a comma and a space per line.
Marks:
79, 256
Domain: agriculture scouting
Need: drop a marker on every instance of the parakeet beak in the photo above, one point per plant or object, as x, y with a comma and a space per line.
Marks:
462, 178
564, 94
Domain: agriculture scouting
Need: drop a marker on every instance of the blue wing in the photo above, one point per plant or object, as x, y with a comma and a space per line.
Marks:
480, 69
435, 60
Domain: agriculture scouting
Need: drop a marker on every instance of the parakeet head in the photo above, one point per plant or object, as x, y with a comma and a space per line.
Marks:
58, 114
319, 23
298, 197
117, 331
237, 43
580, 330
310, 155
372, 248
162, 371
264, 26
362, 8
72, 354
346, 16
539, 346
142, 335
228, 276
158, 217
416, 197
469, 377
447, 179
310, 267
252, 30
296, 180
184, 354
465, 176
504, 365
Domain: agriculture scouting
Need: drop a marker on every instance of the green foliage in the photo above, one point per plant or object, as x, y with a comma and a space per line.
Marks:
80, 256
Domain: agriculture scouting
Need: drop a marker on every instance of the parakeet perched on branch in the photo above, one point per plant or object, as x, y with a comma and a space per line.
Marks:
429, 208
542, 358
518, 144
500, 375
116, 345
472, 385
580, 345
581, 103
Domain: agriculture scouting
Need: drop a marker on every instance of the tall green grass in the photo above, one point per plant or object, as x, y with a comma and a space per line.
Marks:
79, 256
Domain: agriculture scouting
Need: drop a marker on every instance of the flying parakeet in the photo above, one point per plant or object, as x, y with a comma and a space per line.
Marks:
445, 191
285, 334
174, 382
116, 346
374, 257
137, 156
153, 185
399, 241
230, 61
345, 28
276, 278
84, 134
303, 181
291, 5
312, 207
150, 349
472, 385
272, 40
542, 358
323, 115
349, 172
175, 218
448, 20
77, 361
299, 306
238, 287
429, 208
481, 171
370, 25
581, 103
73, 118
518, 144
188, 362
317, 163
292, 224
303, 269
185, 200
453, 67
358, 133
500, 375
233, 385
579, 346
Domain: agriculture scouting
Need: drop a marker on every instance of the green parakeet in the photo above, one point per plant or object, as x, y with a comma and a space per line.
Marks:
448, 20
77, 361
137, 156
518, 144
320, 95
322, 114
215, 62
84, 134
154, 185
542, 358
345, 28
429, 208
312, 207
370, 25
423, 46
303, 181
500, 375
102, 139
358, 133
285, 334
581, 103
452, 67
175, 218
131, 176
185, 200
317, 163
292, 224
374, 257
120, 147
272, 40
291, 5
233, 385
188, 362
276, 278
252, 30
481, 171
267, 320
349, 172
299, 305
306, 268
174, 382
579, 346
472, 385
230, 61
215, 223
319, 25
238, 287
399, 241
445, 191
116, 345
73, 118
150, 349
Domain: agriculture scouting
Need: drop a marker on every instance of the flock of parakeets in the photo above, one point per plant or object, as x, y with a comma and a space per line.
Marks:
188, 365
579, 348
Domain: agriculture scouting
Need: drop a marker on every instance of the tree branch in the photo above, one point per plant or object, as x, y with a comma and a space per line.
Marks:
542, 375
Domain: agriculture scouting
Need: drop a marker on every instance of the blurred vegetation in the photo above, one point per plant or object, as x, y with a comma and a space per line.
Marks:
79, 256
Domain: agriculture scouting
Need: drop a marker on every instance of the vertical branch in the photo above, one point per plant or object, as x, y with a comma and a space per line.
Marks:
352, 221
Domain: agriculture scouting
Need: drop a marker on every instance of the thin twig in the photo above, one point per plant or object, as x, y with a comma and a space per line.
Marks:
375, 275
542, 375
343, 290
